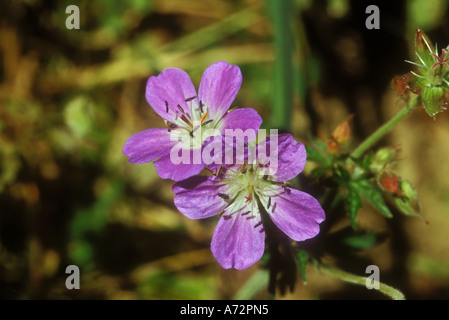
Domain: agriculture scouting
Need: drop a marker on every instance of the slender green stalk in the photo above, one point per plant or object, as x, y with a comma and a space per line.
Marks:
381, 131
257, 282
351, 278
283, 68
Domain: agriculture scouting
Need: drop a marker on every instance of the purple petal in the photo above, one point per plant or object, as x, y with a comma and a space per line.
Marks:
242, 124
176, 172
197, 197
236, 242
297, 214
148, 145
291, 156
244, 119
219, 86
172, 86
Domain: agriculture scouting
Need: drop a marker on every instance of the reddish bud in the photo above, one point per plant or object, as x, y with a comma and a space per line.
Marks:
400, 84
340, 135
390, 182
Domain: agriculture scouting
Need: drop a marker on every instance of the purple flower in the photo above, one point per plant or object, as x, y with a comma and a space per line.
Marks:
192, 120
236, 191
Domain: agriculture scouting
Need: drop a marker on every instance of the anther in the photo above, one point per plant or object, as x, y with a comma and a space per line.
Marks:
258, 223
190, 99
223, 196
245, 213
269, 203
218, 170
201, 106
207, 122
166, 106
274, 207
181, 109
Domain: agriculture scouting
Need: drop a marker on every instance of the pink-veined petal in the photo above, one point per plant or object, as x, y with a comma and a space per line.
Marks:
168, 90
148, 145
236, 242
296, 213
197, 197
219, 86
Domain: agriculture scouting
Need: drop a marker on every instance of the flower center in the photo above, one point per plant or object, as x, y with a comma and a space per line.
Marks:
248, 185
193, 126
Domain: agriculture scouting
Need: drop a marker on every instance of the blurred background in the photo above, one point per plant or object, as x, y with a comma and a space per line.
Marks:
69, 99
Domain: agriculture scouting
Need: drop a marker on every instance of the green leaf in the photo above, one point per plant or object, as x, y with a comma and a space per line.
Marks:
318, 172
302, 259
318, 156
353, 204
361, 241
374, 196
284, 41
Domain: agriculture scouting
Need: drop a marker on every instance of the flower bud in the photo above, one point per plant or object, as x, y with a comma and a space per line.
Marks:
434, 99
381, 158
424, 48
389, 182
340, 136
408, 203
400, 84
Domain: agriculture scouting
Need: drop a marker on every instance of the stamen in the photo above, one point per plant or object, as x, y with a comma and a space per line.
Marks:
166, 106
196, 128
183, 117
258, 223
181, 109
223, 196
201, 106
203, 117
269, 203
207, 122
274, 207
190, 99
245, 213
218, 170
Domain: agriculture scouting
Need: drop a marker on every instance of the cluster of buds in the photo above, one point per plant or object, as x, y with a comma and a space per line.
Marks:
400, 191
430, 80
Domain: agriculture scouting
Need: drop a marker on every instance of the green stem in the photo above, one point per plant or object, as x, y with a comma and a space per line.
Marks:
351, 278
281, 12
379, 133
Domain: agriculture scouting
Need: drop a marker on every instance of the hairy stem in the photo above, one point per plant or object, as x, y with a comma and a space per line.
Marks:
360, 280
381, 131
